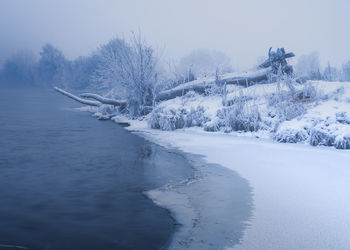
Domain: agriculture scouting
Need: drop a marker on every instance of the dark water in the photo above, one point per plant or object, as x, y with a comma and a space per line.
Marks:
68, 181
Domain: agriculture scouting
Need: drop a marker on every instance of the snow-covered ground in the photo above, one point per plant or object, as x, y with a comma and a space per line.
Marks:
300, 193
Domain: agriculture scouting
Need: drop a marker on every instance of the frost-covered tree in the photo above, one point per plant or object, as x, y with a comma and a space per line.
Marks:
308, 66
19, 69
204, 62
331, 73
129, 69
346, 71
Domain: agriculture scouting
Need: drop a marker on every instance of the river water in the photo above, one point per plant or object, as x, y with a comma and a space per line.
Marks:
68, 181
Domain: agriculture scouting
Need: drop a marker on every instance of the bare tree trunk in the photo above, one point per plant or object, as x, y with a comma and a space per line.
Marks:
199, 85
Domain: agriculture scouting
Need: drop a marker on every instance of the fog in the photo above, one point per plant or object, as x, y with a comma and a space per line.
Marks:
242, 29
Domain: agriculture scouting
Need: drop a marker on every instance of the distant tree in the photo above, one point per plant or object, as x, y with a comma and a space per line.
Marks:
130, 70
204, 62
19, 69
53, 67
331, 73
346, 71
308, 66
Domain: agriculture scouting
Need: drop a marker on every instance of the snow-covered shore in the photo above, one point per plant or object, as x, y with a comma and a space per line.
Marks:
300, 193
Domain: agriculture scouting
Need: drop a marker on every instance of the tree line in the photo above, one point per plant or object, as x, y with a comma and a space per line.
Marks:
132, 70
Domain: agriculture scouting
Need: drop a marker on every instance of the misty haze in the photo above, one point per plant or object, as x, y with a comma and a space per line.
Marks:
174, 124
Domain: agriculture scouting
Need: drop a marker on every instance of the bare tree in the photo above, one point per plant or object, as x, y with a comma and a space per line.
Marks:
130, 68
331, 73
346, 71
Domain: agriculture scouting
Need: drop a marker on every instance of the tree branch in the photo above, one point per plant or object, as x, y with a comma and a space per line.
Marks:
78, 99
104, 100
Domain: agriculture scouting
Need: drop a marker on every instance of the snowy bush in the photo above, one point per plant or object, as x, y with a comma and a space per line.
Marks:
167, 120
342, 142
291, 104
172, 119
331, 132
285, 108
241, 117
288, 110
290, 135
321, 137
195, 117
212, 126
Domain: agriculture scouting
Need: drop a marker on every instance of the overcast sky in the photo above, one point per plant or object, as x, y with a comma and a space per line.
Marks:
244, 29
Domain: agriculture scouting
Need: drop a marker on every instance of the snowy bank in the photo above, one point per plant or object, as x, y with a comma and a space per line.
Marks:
317, 113
300, 193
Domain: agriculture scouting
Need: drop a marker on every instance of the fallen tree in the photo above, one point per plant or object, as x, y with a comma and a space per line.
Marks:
99, 99
276, 61
245, 79
77, 98
104, 100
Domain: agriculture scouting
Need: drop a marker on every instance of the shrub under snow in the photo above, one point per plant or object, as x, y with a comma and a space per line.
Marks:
240, 117
321, 137
342, 142
171, 119
292, 103
291, 135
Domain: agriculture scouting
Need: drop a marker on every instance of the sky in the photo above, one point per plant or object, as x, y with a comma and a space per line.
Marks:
243, 29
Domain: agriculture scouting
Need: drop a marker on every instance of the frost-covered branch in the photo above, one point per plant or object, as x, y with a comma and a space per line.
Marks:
77, 98
104, 100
